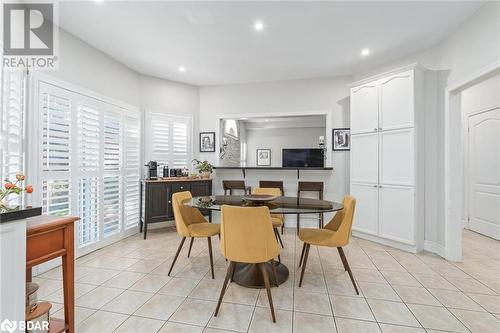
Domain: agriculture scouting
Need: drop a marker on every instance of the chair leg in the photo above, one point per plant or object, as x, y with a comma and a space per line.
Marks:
190, 246
347, 268
302, 254
211, 256
298, 223
275, 273
279, 258
278, 237
263, 269
176, 255
306, 254
283, 229
230, 272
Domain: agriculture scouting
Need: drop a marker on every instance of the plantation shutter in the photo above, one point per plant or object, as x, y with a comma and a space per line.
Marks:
168, 139
12, 118
180, 144
132, 166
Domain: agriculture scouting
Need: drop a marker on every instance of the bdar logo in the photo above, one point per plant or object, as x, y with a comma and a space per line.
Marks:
7, 326
28, 29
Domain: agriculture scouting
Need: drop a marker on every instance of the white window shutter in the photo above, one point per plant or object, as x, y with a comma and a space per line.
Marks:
112, 142
88, 210
111, 205
88, 138
132, 167
180, 144
160, 147
56, 197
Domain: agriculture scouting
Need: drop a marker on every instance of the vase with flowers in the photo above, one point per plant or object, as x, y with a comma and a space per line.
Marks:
13, 187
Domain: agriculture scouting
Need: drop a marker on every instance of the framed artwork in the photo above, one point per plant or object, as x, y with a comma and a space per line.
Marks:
341, 138
207, 142
263, 157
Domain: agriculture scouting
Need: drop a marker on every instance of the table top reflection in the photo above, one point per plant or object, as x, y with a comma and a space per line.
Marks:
280, 205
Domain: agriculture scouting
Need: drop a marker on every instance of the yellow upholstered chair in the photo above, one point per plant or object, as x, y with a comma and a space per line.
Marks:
277, 219
189, 222
247, 237
336, 233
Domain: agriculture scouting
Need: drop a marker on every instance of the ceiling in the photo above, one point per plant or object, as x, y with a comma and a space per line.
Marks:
217, 44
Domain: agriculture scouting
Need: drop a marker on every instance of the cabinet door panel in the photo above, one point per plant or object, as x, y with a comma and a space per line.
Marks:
396, 101
364, 158
366, 213
364, 108
200, 189
397, 218
397, 157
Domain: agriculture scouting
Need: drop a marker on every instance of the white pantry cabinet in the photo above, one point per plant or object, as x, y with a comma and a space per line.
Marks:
386, 126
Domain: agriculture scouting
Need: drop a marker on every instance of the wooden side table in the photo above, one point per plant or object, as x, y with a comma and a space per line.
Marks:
49, 237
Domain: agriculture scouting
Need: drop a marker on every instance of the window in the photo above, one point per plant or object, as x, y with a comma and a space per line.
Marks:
90, 163
12, 122
168, 140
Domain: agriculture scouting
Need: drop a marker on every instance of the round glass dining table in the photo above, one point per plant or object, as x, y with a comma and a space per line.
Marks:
249, 275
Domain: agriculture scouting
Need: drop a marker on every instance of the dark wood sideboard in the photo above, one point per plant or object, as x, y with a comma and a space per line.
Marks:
156, 198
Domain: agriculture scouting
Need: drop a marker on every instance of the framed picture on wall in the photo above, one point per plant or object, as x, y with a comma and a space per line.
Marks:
263, 157
341, 138
207, 142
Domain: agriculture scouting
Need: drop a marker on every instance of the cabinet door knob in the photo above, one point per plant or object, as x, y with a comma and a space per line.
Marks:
380, 186
169, 201
375, 185
380, 128
182, 187
375, 129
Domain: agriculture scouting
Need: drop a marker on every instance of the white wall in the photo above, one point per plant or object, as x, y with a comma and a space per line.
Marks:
278, 138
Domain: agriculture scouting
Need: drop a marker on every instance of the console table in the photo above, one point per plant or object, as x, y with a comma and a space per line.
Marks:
156, 198
47, 238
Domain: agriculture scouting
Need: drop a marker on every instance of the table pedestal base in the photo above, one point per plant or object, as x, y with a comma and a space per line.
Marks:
250, 276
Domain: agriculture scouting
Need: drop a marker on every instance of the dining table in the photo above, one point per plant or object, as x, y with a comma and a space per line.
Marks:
249, 275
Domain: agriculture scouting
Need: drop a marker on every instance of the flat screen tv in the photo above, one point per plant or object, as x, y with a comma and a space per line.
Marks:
303, 158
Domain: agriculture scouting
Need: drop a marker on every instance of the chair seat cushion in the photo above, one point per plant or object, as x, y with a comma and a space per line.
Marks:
277, 222
203, 229
321, 237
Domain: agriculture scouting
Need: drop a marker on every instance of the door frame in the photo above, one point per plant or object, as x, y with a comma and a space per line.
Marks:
454, 161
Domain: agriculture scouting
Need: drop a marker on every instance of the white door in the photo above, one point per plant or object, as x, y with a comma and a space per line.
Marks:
396, 101
366, 213
364, 109
364, 158
484, 173
396, 218
397, 157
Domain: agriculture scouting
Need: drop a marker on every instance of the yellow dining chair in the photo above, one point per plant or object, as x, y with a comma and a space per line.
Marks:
189, 222
336, 233
277, 219
247, 237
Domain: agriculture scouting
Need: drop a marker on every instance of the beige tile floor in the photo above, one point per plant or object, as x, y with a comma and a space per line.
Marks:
125, 288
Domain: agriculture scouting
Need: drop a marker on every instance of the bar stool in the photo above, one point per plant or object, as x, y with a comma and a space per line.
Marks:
230, 185
311, 187
273, 184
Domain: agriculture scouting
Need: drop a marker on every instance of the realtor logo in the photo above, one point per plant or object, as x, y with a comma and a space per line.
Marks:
29, 35
8, 326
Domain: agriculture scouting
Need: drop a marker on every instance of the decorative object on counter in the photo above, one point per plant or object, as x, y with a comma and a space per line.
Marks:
207, 142
203, 167
322, 145
263, 157
13, 187
341, 138
31, 296
37, 321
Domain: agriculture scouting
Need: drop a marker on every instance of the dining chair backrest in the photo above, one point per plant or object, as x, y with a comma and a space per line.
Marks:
342, 222
272, 184
266, 190
230, 185
247, 234
184, 215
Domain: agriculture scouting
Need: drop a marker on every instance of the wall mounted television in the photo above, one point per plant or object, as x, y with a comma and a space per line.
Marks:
303, 158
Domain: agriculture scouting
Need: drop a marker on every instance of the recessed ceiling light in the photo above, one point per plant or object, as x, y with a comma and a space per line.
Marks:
182, 69
258, 26
365, 52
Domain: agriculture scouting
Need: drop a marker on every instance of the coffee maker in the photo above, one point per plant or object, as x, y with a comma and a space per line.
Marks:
151, 170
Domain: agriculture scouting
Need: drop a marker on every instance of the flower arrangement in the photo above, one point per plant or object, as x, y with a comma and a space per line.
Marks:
14, 187
203, 167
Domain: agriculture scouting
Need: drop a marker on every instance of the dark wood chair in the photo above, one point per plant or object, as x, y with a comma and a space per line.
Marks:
230, 185
311, 187
273, 184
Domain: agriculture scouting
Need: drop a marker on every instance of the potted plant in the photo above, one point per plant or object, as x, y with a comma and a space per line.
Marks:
13, 187
203, 167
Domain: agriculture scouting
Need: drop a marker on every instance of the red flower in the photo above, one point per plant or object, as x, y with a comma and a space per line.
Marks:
29, 189
20, 177
8, 186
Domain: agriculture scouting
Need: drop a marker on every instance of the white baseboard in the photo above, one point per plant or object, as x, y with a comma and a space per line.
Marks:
435, 248
385, 241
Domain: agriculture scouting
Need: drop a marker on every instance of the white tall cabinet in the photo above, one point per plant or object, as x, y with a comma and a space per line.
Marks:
386, 163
